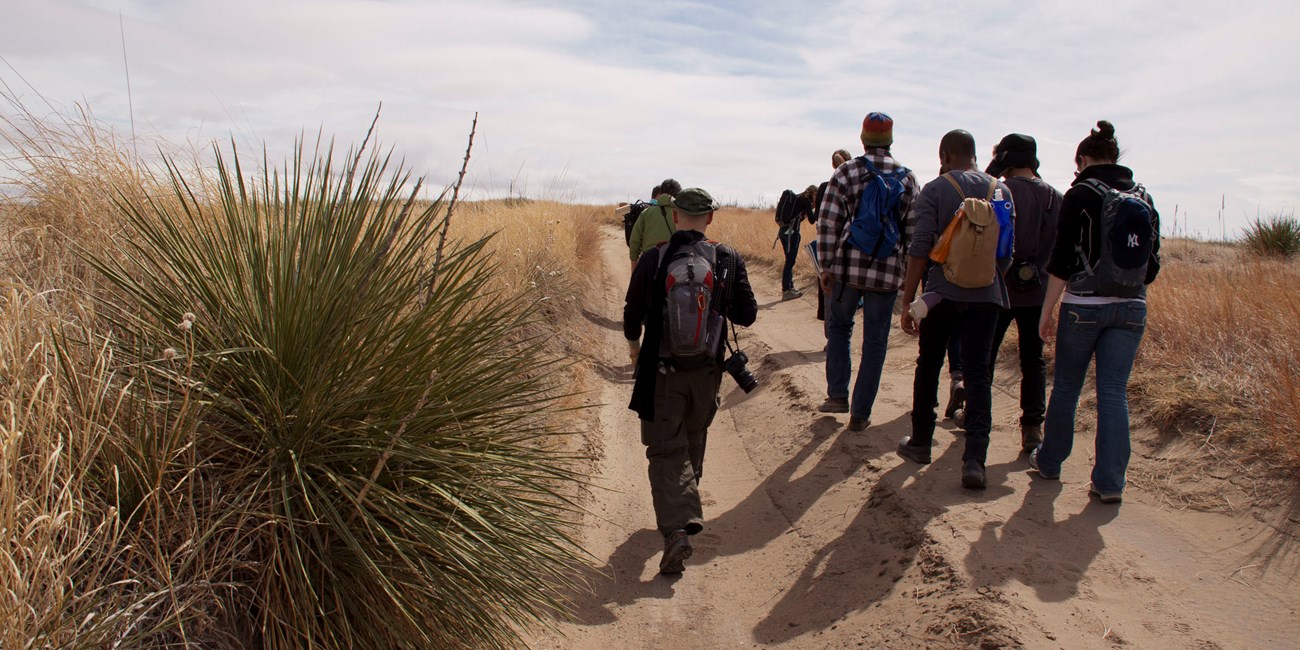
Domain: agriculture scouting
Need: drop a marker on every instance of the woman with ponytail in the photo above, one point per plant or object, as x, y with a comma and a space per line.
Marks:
1101, 286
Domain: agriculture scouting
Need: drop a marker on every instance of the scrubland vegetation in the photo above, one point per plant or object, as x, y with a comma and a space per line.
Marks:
261, 406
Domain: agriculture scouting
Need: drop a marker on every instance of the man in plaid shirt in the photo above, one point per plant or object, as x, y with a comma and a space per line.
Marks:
853, 279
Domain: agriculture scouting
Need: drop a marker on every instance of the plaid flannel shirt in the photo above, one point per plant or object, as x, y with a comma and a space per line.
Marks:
844, 262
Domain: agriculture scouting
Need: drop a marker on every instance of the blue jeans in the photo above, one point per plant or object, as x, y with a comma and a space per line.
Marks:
790, 244
877, 315
1110, 333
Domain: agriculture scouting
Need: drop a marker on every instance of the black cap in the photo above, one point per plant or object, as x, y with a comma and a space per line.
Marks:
1015, 150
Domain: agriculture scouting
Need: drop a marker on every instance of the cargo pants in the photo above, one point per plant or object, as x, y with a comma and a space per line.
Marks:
685, 402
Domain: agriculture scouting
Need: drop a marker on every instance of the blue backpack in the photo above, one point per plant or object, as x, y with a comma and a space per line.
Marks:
874, 229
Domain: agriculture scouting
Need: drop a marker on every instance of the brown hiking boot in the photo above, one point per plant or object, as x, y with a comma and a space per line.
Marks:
1031, 435
834, 405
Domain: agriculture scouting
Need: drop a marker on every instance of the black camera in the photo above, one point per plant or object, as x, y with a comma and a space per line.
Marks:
1023, 276
735, 366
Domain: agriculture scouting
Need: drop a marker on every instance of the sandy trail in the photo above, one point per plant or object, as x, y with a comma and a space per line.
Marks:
819, 537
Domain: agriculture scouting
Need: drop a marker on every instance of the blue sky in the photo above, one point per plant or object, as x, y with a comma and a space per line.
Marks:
597, 101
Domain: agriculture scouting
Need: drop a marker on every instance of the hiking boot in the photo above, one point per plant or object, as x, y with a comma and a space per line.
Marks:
915, 454
1031, 435
1033, 462
791, 294
677, 549
858, 424
1106, 497
834, 405
956, 398
972, 474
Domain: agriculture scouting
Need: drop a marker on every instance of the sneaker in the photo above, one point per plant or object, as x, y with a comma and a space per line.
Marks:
858, 424
1033, 462
677, 549
915, 454
956, 398
1031, 435
972, 474
791, 294
835, 405
1106, 497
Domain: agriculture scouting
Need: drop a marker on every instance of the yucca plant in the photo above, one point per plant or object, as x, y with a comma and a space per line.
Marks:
1276, 236
376, 426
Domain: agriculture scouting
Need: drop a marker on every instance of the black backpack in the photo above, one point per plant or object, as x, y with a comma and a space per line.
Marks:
629, 218
1128, 234
785, 208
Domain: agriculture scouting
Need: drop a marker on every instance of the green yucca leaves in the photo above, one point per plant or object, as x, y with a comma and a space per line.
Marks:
301, 308
1276, 236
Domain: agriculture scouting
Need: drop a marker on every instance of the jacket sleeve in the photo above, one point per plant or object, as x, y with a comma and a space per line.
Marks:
638, 235
743, 309
831, 218
1047, 232
925, 223
637, 302
1071, 228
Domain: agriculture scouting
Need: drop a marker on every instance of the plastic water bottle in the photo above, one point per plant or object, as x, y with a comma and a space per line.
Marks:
1006, 229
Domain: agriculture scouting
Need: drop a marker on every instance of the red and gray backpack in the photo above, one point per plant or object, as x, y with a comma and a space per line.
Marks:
694, 281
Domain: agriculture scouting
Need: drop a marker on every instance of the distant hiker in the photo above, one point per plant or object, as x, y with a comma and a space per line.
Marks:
1037, 208
683, 292
791, 210
956, 222
1107, 250
862, 229
655, 225
630, 212
838, 157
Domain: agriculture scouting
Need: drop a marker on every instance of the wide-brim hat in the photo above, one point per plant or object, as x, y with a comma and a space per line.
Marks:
695, 201
1015, 150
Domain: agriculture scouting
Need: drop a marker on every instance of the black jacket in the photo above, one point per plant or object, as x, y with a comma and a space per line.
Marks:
1077, 224
644, 304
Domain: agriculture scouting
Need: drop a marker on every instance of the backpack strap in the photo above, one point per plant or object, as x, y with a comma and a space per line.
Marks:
957, 186
993, 186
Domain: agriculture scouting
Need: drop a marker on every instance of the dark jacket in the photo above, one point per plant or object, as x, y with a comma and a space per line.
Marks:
1038, 207
799, 208
1077, 224
644, 305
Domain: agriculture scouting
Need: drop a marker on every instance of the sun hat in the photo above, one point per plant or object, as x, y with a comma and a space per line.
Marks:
1015, 150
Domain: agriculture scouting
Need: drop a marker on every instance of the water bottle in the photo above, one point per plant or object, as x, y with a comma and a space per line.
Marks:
1006, 229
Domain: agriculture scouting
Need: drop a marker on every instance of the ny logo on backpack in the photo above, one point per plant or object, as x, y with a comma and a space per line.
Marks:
874, 229
980, 233
692, 319
1128, 234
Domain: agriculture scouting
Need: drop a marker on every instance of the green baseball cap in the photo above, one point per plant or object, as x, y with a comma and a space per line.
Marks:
695, 201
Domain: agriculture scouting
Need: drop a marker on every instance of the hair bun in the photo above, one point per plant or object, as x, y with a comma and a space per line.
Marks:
1105, 130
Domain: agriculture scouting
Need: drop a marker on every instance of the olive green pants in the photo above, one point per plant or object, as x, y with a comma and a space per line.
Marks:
685, 403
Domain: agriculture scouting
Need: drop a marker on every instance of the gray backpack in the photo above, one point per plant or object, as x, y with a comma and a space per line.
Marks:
692, 322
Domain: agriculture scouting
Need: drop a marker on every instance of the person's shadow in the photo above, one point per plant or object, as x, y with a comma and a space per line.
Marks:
619, 581
1031, 546
861, 566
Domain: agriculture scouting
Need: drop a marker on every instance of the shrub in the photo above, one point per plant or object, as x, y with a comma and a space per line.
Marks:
1276, 236
366, 422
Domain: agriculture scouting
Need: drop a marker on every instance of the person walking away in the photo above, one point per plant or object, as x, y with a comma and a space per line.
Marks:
677, 286
838, 157
791, 210
1037, 207
970, 282
1107, 251
655, 224
863, 226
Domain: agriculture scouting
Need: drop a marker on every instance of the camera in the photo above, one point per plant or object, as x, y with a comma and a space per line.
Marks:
1023, 276
735, 366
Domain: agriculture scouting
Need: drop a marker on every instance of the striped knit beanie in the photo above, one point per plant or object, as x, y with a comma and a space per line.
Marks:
877, 130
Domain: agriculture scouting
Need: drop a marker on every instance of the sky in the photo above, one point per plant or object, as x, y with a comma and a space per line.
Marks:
597, 101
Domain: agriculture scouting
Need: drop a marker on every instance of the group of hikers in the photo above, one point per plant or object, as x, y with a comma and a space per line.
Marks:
971, 252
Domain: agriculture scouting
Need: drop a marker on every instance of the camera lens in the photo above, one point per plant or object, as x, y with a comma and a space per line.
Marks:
735, 366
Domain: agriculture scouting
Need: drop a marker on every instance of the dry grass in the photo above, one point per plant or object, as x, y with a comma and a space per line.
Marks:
1220, 352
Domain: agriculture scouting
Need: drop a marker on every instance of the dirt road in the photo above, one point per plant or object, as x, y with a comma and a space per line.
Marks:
820, 537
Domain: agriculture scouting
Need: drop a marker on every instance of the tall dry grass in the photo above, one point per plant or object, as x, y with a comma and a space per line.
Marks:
1220, 358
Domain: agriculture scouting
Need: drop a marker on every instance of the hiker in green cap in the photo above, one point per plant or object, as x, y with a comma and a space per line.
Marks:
682, 294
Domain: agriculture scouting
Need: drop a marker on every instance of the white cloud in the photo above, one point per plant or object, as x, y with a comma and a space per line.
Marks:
601, 100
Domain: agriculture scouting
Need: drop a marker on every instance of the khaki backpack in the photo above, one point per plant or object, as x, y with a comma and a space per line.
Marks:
969, 245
